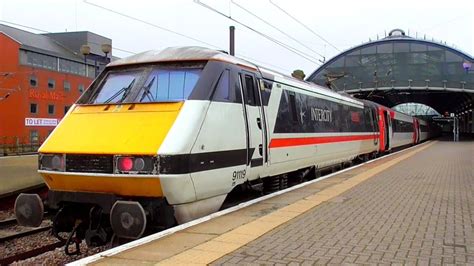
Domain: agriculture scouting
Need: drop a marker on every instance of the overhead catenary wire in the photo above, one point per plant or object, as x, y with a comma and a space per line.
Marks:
262, 62
132, 52
287, 47
152, 24
304, 25
180, 34
276, 28
311, 30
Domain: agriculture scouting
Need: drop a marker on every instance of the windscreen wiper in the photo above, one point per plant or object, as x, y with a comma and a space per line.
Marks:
125, 91
146, 91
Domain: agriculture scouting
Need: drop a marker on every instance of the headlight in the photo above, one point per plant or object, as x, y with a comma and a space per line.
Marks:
51, 162
135, 165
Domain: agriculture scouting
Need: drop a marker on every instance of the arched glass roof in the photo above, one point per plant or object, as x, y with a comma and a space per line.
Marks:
400, 63
415, 109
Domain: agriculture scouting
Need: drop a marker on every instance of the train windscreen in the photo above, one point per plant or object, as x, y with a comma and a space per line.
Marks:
157, 83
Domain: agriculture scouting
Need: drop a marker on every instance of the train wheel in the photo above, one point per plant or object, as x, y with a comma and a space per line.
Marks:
29, 210
128, 219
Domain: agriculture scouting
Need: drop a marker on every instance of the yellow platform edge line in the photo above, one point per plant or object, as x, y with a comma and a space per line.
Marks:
226, 243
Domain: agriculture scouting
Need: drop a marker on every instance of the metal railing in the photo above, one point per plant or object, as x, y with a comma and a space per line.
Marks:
18, 146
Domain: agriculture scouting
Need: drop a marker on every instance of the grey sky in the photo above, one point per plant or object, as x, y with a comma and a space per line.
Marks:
343, 23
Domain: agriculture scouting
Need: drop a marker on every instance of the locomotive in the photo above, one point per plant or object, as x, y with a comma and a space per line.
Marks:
161, 138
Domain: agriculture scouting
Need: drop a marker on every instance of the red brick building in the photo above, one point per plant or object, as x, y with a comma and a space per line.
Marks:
41, 76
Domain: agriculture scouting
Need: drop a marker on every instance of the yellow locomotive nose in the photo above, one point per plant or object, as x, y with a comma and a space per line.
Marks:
127, 129
133, 129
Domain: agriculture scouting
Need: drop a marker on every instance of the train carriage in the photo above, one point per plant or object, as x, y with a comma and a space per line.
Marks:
424, 130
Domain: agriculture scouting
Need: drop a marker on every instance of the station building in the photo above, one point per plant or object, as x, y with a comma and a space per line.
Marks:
41, 76
406, 71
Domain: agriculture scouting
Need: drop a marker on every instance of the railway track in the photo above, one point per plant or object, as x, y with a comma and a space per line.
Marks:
13, 237
30, 253
7, 222
25, 233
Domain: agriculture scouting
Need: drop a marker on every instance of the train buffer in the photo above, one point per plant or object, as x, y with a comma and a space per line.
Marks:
410, 207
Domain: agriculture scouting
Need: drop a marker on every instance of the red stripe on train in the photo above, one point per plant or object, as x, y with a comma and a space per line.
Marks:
289, 142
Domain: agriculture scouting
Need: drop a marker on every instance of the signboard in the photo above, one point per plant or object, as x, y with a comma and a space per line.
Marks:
41, 122
46, 95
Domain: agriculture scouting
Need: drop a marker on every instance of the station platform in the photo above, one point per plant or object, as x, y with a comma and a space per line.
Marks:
412, 207
18, 173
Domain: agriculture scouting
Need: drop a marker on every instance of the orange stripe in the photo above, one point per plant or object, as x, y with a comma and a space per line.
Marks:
289, 142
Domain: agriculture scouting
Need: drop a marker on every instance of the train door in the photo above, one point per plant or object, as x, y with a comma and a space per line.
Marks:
388, 129
381, 119
373, 117
256, 127
416, 131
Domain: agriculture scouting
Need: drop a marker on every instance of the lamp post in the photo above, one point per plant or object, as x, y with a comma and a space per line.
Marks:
85, 50
106, 49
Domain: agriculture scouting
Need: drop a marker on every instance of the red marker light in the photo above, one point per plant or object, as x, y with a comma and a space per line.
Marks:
125, 164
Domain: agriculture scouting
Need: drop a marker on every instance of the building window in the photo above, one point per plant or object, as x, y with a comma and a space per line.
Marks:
33, 81
67, 85
66, 108
51, 109
51, 83
34, 136
38, 60
76, 68
80, 87
33, 108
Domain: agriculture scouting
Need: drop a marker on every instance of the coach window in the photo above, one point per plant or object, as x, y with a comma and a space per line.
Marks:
394, 125
369, 126
51, 84
51, 109
80, 87
66, 108
67, 85
33, 81
222, 89
294, 114
33, 108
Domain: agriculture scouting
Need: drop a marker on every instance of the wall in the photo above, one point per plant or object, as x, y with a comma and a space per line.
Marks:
16, 107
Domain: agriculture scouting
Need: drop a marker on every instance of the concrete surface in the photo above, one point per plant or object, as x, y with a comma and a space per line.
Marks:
18, 172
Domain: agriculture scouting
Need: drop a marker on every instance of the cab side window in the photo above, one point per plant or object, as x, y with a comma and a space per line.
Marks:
249, 89
222, 89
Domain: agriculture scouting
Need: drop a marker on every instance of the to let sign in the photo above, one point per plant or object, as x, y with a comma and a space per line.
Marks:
41, 122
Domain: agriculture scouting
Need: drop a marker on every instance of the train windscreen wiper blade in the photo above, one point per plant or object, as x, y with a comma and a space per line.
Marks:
146, 91
124, 90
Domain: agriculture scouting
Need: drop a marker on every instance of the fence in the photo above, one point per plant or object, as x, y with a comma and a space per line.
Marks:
18, 146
